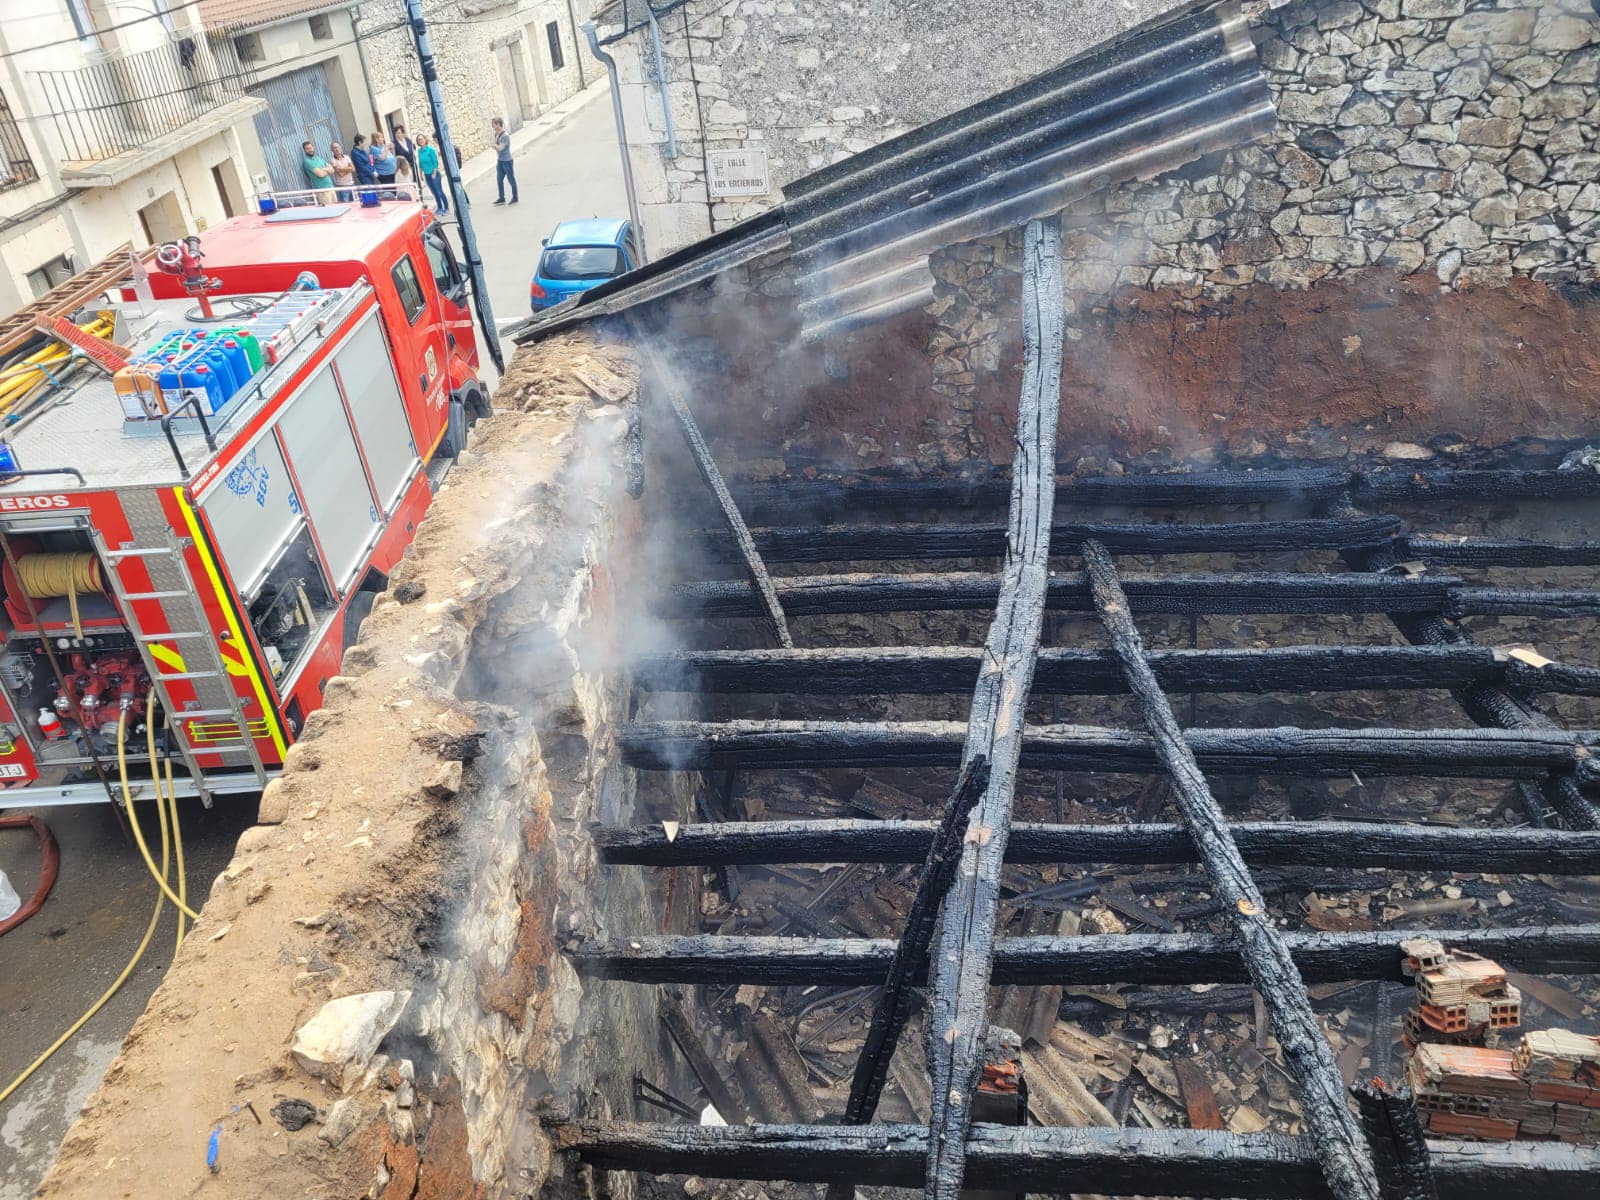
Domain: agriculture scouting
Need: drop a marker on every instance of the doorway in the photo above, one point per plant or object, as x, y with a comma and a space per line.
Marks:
226, 178
539, 81
162, 220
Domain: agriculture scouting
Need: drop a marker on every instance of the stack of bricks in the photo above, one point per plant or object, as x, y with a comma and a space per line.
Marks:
1462, 999
1547, 1089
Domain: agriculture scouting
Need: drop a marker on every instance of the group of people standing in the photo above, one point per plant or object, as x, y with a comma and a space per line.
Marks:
377, 163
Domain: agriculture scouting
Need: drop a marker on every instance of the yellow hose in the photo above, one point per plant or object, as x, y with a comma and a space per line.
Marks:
17, 385
133, 820
46, 576
144, 942
164, 803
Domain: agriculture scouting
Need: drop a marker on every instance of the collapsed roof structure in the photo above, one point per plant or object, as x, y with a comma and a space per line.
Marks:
1141, 211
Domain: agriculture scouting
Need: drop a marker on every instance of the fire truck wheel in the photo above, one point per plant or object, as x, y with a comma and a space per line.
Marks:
476, 399
360, 606
455, 432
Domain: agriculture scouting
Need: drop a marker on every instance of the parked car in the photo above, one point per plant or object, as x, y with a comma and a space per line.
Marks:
580, 255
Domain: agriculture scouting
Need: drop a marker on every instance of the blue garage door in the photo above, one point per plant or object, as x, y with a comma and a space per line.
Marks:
299, 106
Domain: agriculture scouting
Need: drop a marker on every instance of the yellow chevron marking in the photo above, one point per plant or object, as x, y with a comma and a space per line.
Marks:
167, 657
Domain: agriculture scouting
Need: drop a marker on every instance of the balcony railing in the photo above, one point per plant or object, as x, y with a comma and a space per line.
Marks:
16, 168
108, 108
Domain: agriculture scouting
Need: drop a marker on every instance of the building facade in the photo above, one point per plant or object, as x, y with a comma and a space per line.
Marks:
769, 90
306, 63
497, 58
118, 123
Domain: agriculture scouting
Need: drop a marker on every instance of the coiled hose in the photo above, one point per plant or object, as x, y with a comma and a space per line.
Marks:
46, 576
50, 855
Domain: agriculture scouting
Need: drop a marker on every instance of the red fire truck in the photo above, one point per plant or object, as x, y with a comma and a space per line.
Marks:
206, 527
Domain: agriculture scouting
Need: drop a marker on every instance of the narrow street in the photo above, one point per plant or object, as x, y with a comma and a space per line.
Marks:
572, 171
56, 964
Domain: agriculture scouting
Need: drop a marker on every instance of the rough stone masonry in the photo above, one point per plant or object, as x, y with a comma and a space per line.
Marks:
1432, 175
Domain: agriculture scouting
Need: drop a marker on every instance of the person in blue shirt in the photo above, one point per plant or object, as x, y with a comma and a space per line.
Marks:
362, 157
382, 159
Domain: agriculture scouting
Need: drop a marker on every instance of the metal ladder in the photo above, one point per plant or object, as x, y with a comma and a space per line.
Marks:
183, 612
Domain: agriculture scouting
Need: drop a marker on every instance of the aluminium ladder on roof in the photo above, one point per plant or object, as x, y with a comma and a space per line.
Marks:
174, 591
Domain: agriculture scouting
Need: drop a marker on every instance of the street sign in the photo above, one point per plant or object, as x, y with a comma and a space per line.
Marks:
738, 172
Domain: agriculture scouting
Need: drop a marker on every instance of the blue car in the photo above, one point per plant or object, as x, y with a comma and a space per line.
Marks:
580, 255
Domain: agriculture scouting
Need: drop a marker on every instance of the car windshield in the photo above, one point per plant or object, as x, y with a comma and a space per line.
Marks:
581, 262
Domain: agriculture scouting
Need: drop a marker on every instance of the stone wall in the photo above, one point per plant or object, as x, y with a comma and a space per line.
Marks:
1379, 275
468, 38
427, 839
1401, 269
814, 81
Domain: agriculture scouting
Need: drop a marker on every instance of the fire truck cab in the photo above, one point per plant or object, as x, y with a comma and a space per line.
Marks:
190, 540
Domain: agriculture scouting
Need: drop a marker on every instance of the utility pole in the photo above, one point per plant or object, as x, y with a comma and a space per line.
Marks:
452, 172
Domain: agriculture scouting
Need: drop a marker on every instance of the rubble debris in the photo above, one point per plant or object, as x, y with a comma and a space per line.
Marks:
1462, 998
1546, 1088
293, 1113
337, 1043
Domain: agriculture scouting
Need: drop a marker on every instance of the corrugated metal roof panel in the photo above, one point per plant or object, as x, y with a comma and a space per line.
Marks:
1155, 98
861, 231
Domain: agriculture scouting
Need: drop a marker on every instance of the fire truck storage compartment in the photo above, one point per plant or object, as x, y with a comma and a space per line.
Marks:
299, 513
58, 571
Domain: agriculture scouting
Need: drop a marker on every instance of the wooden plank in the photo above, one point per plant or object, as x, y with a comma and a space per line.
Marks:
1452, 753
1068, 591
1335, 1132
840, 543
1199, 1100
1399, 1146
921, 670
893, 1005
1170, 958
1499, 552
1058, 1161
1348, 844
958, 1019
688, 1042
754, 567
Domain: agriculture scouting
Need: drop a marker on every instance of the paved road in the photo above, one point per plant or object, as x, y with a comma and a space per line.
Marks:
571, 171
55, 965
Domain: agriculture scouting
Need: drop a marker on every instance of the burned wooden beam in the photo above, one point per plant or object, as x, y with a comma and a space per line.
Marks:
1499, 483
737, 530
838, 543
694, 1052
958, 1009
1058, 1161
1171, 958
1454, 753
1498, 552
1521, 602
1335, 1133
1068, 591
1348, 844
893, 1005
1551, 678
1197, 595
1399, 1145
822, 498
939, 669
1494, 707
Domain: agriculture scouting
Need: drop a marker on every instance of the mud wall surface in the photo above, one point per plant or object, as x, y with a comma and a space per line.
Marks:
428, 846
1403, 268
